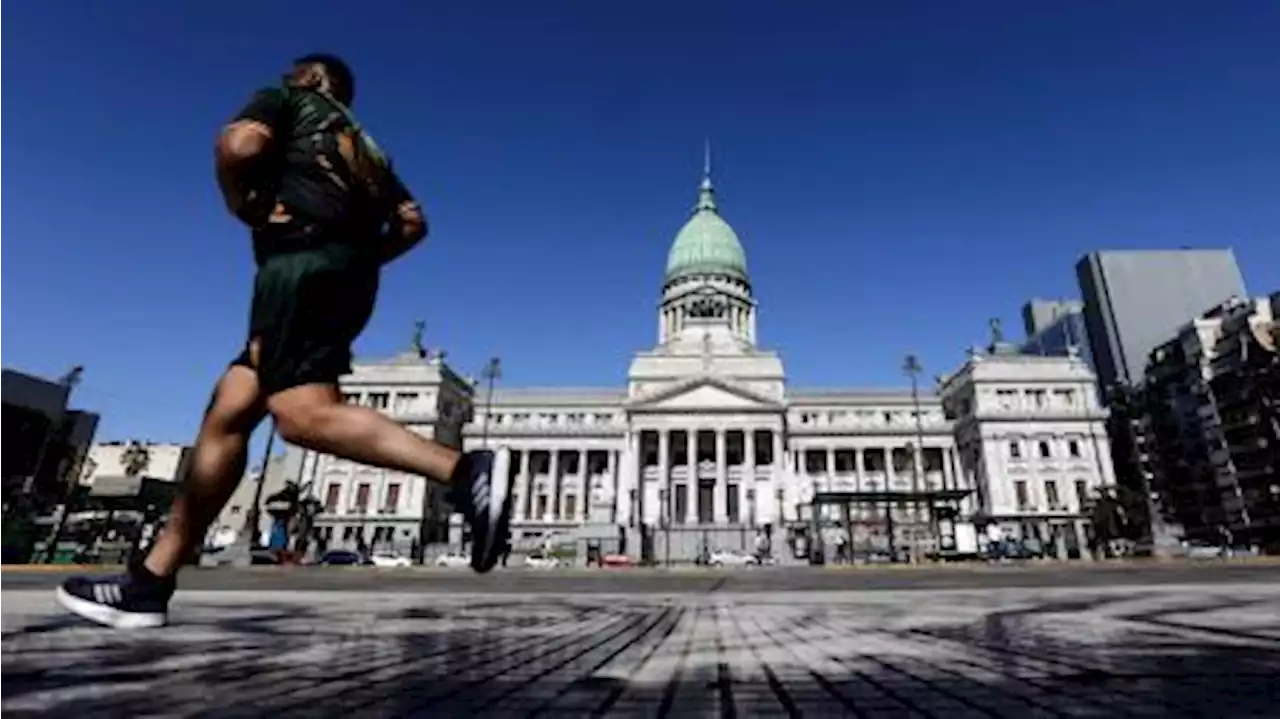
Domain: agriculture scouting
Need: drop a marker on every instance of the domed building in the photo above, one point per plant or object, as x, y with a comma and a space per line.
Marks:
707, 449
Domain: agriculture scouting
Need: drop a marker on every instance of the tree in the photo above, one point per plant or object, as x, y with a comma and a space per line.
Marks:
135, 459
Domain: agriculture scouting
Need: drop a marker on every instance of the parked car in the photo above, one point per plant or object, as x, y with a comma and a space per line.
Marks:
453, 560
343, 558
538, 560
730, 558
389, 559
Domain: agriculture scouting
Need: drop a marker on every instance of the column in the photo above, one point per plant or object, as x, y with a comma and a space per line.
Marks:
948, 470
748, 511
719, 511
890, 474
611, 483
664, 472
553, 505
790, 482
628, 481
779, 471
860, 468
584, 487
526, 488
1082, 539
831, 468
691, 485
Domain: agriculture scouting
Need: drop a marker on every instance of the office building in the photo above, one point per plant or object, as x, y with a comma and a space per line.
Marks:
1134, 300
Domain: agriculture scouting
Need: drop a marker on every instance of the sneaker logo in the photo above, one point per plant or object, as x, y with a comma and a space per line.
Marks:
480, 491
107, 593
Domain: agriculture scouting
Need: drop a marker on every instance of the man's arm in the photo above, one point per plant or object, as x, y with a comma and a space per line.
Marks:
408, 224
242, 149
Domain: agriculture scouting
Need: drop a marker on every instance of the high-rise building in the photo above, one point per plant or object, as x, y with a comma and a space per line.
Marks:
1135, 300
1040, 314
1210, 425
1056, 328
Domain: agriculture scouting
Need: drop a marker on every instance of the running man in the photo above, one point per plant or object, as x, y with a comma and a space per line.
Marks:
326, 213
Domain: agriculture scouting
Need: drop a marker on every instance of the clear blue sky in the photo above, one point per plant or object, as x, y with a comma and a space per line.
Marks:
899, 172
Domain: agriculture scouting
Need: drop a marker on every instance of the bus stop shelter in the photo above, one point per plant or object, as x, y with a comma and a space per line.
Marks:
941, 508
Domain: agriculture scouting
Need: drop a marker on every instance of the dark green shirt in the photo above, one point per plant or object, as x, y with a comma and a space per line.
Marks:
332, 185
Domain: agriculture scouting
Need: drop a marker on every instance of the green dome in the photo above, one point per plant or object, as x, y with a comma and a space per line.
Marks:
706, 244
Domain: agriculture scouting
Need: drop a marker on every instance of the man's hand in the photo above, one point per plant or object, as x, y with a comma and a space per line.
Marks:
408, 228
413, 224
241, 150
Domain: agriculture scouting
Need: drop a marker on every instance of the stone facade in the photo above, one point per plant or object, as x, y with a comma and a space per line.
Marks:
706, 447
364, 505
1031, 432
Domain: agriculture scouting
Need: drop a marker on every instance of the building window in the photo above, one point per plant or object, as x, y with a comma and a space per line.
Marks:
379, 400
1045, 450
1051, 493
570, 506
393, 497
706, 498
731, 502
763, 448
1073, 448
1015, 450
1020, 494
406, 402
331, 497
541, 506
1082, 492
1006, 398
680, 502
362, 497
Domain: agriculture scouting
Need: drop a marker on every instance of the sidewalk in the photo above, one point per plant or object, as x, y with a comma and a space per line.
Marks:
1011, 653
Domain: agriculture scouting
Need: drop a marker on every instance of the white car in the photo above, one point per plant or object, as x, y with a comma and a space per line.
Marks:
388, 559
453, 561
723, 558
541, 561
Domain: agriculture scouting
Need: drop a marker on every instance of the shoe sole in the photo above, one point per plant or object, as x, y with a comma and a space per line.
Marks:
499, 512
109, 616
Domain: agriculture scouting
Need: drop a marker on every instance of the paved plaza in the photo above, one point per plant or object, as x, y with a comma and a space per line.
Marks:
1208, 649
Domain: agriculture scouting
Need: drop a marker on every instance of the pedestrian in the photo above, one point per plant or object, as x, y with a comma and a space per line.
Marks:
326, 213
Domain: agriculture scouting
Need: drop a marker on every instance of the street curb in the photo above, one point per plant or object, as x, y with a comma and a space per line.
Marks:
1113, 564
57, 568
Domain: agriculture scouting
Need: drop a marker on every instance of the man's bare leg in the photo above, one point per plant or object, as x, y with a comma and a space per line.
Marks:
217, 464
315, 417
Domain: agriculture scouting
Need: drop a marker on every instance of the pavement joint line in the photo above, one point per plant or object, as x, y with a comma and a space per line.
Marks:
1005, 652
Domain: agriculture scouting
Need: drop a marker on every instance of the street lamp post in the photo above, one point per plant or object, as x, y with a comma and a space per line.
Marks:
491, 373
911, 366
254, 516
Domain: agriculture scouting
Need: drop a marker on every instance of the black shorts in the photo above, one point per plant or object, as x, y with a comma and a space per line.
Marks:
308, 307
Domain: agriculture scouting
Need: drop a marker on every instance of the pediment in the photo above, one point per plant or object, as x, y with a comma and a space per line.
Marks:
704, 393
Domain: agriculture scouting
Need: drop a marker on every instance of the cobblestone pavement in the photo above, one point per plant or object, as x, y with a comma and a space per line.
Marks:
1211, 651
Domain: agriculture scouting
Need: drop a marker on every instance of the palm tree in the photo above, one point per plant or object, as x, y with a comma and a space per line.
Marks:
135, 459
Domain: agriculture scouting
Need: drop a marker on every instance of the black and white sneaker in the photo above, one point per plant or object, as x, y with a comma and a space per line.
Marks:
481, 492
124, 602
